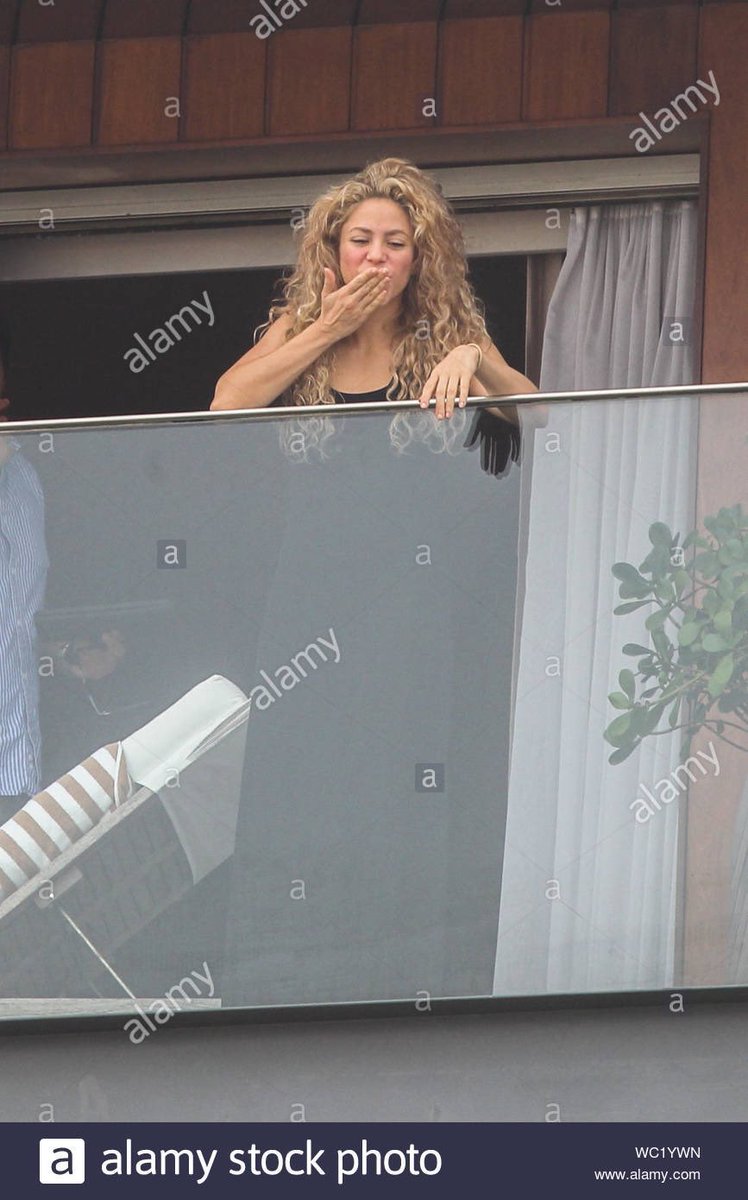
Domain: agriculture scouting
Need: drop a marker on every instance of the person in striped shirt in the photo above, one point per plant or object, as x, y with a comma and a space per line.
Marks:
23, 575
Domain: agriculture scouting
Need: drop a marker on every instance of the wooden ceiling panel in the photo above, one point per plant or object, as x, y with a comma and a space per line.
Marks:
457, 9
8, 11
474, 90
656, 3
236, 109
75, 20
309, 73
219, 16
307, 15
386, 12
144, 18
329, 13
551, 6
653, 56
394, 74
137, 79
51, 99
566, 66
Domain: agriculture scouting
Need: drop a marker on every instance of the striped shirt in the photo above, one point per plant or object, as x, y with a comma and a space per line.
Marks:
23, 575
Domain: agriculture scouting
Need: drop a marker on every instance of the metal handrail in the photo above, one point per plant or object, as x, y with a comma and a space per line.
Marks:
313, 410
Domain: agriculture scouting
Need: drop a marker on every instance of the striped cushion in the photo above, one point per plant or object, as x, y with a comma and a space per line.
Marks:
55, 818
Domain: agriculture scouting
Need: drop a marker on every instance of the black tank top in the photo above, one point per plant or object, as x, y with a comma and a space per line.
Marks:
342, 397
361, 397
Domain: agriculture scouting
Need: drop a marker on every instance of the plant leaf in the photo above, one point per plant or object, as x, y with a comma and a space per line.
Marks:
714, 643
627, 573
707, 563
617, 730
682, 580
622, 753
721, 676
648, 719
656, 620
660, 535
688, 633
665, 591
662, 645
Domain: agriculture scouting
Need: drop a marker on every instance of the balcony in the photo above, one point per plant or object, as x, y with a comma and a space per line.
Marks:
322, 706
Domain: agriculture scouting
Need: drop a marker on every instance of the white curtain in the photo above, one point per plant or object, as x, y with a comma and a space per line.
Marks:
588, 896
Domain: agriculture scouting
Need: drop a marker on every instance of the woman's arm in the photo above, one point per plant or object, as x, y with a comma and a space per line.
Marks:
271, 366
274, 363
453, 378
499, 379
507, 414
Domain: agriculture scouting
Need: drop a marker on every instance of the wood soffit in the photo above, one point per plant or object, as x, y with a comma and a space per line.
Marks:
24, 21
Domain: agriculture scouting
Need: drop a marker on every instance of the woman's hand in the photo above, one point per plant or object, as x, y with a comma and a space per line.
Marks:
450, 380
346, 308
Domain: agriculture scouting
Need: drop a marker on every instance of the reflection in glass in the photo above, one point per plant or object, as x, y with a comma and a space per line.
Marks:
253, 757
333, 728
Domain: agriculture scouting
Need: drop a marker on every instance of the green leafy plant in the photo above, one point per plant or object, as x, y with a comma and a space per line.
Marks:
695, 674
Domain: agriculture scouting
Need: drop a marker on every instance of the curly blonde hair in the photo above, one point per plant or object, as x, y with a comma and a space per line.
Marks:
439, 309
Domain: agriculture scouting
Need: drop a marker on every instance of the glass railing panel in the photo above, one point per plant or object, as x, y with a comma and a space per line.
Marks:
315, 708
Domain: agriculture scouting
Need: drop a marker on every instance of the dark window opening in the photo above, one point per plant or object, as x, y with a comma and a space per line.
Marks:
92, 347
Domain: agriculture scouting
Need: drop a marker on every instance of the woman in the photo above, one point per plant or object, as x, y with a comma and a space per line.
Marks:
380, 307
